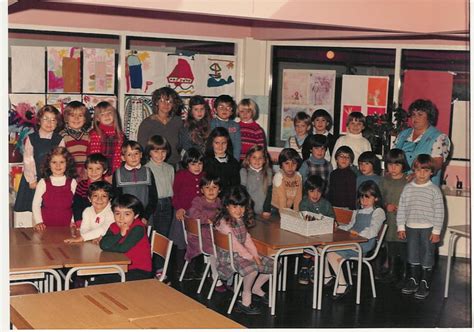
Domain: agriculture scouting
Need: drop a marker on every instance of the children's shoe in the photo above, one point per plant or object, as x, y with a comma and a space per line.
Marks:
303, 277
248, 310
423, 291
410, 287
220, 288
261, 299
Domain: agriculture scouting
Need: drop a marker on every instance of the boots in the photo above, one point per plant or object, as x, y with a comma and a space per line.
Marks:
425, 283
413, 282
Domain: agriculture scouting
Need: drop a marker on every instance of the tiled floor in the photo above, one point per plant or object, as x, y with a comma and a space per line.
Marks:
389, 309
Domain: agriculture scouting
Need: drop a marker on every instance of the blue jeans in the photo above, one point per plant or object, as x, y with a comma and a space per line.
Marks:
420, 249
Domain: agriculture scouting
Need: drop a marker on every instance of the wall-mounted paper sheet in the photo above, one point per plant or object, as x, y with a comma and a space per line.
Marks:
99, 70
64, 69
91, 101
216, 75
137, 108
180, 75
28, 69
145, 71
61, 100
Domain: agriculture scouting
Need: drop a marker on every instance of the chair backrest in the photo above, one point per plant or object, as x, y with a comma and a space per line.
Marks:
190, 225
23, 288
162, 246
343, 216
223, 242
380, 238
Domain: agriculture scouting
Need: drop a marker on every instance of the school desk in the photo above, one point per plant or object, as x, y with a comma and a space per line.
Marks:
140, 303
271, 240
456, 232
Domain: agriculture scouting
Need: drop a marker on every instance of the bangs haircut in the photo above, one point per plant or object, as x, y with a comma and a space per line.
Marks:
100, 185
302, 116
371, 157
128, 201
370, 188
357, 116
133, 145
97, 158
397, 156
424, 161
192, 155
314, 182
207, 179
347, 150
322, 113
158, 142
289, 154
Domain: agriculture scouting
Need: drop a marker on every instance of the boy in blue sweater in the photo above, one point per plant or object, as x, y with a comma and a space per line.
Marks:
225, 107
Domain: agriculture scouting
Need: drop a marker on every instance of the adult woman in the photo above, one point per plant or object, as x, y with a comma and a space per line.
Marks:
423, 137
164, 121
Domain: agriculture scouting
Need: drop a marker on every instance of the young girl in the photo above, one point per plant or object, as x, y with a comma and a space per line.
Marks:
219, 160
225, 106
196, 128
52, 203
76, 134
37, 145
165, 121
107, 137
391, 187
128, 235
365, 222
204, 208
322, 123
185, 189
369, 168
256, 175
287, 190
250, 131
235, 215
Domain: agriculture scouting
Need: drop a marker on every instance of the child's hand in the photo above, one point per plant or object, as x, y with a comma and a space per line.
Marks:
97, 241
402, 235
391, 208
40, 227
124, 229
74, 240
257, 260
33, 185
180, 214
266, 215
354, 233
410, 177
435, 238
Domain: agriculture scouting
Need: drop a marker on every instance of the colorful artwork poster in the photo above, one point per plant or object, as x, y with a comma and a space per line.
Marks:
145, 71
99, 70
22, 117
91, 101
28, 66
180, 75
307, 91
365, 94
137, 108
61, 100
215, 75
64, 69
210, 101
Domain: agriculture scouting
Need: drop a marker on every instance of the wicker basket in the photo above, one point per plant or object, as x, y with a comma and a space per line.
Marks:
294, 221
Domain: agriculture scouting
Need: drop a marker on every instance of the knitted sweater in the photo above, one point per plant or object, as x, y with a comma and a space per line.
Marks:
287, 192
185, 188
254, 182
97, 144
250, 134
322, 206
342, 188
357, 143
77, 147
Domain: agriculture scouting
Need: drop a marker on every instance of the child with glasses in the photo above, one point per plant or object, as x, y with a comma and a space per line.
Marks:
225, 107
342, 181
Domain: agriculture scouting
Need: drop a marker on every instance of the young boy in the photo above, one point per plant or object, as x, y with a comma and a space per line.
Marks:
322, 123
287, 184
314, 187
316, 164
135, 179
420, 219
225, 113
342, 181
302, 123
97, 218
250, 131
355, 125
96, 167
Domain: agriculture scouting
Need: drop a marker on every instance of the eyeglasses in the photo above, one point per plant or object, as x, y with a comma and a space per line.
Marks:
52, 120
224, 108
166, 101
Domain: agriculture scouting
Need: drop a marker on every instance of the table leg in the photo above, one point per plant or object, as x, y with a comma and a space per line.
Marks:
452, 239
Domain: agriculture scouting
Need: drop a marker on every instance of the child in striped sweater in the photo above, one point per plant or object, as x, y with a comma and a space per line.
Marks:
250, 131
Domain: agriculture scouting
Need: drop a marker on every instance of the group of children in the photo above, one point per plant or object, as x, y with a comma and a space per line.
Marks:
112, 187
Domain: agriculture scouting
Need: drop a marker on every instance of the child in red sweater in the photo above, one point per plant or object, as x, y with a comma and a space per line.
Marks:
250, 131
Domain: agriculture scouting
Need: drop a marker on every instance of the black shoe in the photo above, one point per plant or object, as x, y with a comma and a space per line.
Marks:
410, 287
303, 277
339, 296
191, 275
423, 290
261, 299
248, 310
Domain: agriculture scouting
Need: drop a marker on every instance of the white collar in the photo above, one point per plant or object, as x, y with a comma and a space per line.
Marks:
128, 168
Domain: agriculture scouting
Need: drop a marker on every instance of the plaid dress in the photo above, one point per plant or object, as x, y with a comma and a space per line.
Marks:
243, 266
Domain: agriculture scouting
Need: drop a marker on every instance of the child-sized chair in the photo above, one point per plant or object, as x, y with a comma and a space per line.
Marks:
161, 246
365, 260
23, 288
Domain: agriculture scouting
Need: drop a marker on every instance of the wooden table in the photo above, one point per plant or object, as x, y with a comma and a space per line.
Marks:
456, 232
133, 304
271, 240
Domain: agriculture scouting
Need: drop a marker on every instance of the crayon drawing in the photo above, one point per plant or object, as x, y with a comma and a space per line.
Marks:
377, 91
64, 69
180, 74
99, 70
60, 100
145, 71
322, 85
295, 87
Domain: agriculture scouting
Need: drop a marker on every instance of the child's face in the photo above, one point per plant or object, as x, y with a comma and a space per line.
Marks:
367, 200
318, 152
314, 195
198, 112
422, 175
219, 145
355, 127
366, 168
395, 170
131, 157
99, 199
48, 122
210, 192
58, 165
236, 211
224, 110
165, 105
106, 117
95, 171
301, 128
158, 156
76, 119
257, 160
195, 167
343, 160
245, 113
124, 216
289, 167
320, 124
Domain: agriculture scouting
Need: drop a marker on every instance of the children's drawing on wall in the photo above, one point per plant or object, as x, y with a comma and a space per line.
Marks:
377, 91
145, 71
28, 67
91, 101
287, 116
181, 75
216, 77
295, 87
215, 74
61, 100
64, 69
348, 109
322, 87
21, 122
99, 70
376, 110
137, 108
